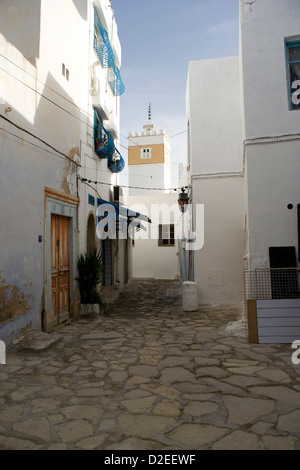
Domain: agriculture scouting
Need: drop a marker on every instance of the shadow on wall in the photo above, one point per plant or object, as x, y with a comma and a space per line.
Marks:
81, 6
20, 24
28, 166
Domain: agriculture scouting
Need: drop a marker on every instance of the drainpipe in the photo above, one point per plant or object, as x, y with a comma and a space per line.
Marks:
94, 80
117, 261
191, 275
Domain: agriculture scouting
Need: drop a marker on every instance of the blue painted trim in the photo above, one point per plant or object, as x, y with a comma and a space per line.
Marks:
56, 206
289, 45
91, 200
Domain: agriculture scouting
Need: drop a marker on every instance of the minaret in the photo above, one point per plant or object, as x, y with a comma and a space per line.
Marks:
149, 158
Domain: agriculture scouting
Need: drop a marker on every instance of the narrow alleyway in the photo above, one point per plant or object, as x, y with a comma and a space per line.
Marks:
148, 376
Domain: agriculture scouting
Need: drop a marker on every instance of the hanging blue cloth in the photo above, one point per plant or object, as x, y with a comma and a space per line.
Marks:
104, 143
116, 162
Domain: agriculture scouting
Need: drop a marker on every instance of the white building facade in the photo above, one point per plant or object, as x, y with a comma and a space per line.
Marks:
243, 152
154, 250
270, 64
52, 176
215, 164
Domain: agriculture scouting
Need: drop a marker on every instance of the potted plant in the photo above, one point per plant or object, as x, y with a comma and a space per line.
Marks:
90, 271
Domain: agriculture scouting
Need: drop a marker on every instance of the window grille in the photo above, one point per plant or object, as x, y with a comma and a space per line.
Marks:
102, 45
115, 81
293, 62
274, 283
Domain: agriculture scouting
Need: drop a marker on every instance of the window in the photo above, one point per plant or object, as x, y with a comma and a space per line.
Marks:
166, 235
293, 62
146, 153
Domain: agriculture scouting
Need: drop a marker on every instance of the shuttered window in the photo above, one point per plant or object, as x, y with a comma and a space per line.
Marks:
166, 235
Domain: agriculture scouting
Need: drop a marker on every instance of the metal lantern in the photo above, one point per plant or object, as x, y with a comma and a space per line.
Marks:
183, 200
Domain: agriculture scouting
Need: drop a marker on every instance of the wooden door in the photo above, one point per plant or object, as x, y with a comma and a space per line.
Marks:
60, 266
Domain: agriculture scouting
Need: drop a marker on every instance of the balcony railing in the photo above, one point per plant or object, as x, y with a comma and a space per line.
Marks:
105, 148
102, 45
107, 59
115, 81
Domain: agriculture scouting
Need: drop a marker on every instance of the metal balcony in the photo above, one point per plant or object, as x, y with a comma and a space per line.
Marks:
102, 45
115, 81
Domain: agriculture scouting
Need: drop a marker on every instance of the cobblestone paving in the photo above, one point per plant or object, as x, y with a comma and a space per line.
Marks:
149, 376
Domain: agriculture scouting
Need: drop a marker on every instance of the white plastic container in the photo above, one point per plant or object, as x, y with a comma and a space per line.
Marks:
190, 301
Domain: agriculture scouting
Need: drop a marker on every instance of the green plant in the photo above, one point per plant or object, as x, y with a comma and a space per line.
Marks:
90, 271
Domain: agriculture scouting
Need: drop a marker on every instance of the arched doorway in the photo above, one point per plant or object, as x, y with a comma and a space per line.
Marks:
91, 234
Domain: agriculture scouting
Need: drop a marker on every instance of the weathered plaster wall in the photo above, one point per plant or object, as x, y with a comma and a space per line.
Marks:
42, 102
271, 129
273, 183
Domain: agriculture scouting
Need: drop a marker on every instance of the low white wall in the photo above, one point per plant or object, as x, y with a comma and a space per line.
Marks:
148, 259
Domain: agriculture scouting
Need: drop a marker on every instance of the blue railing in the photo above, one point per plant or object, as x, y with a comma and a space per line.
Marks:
104, 146
102, 45
115, 81
107, 58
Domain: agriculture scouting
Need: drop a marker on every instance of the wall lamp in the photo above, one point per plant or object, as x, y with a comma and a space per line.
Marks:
183, 200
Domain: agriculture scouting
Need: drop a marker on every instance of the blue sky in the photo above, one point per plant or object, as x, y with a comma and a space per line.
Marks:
159, 38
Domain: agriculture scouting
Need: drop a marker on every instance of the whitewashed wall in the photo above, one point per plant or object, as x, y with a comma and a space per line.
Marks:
272, 142
148, 259
265, 25
214, 117
58, 111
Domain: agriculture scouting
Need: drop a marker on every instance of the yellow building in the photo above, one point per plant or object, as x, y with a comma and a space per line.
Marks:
149, 158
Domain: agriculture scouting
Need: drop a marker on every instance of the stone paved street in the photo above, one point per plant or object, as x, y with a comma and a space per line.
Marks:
148, 376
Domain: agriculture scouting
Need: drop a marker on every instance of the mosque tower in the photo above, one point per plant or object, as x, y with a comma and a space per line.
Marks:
149, 159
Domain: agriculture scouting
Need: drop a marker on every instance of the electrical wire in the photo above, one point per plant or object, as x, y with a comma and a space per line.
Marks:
63, 109
42, 83
38, 138
61, 154
154, 222
65, 98
84, 180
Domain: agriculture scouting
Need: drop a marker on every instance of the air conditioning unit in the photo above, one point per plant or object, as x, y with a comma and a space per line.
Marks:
117, 193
